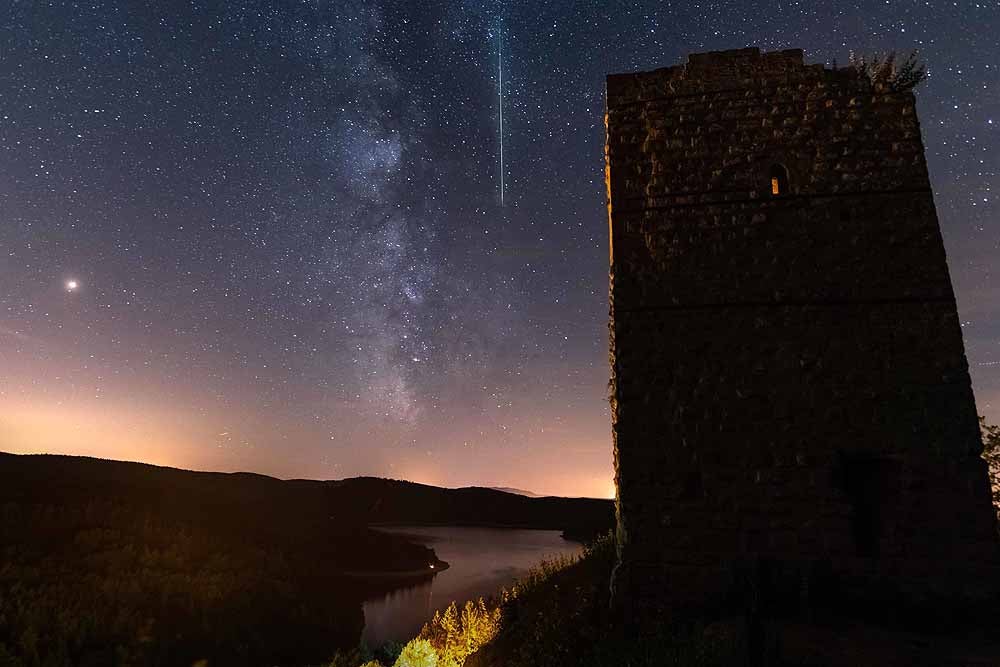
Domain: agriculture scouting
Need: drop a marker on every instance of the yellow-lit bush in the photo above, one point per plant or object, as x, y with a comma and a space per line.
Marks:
456, 635
418, 653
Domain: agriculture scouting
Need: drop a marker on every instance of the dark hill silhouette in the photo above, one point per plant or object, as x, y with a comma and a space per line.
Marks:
386, 501
282, 508
108, 562
518, 492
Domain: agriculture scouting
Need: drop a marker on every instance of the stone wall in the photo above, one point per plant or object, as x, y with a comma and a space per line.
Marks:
789, 383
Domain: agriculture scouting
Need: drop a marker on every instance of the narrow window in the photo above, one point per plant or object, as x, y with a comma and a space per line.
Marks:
779, 180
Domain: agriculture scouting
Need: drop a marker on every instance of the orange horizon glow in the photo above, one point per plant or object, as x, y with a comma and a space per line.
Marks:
122, 431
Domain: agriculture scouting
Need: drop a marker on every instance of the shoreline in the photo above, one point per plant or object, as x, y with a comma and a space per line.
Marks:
564, 533
431, 571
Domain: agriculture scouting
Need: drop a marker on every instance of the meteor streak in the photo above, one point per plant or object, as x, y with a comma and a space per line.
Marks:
500, 104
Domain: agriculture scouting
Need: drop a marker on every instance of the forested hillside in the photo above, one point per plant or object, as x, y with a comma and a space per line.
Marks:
105, 562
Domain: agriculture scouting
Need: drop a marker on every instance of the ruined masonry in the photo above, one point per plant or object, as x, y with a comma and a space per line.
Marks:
789, 384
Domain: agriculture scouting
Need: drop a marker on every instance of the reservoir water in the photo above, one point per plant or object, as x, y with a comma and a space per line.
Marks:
482, 561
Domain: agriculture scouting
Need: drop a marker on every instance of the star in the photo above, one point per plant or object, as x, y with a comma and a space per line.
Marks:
307, 223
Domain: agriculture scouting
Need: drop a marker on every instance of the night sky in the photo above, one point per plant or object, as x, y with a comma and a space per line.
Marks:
268, 236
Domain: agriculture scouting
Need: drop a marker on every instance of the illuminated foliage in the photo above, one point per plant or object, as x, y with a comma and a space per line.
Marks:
418, 653
991, 452
457, 634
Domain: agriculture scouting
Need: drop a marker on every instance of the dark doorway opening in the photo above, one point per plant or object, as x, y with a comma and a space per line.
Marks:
870, 484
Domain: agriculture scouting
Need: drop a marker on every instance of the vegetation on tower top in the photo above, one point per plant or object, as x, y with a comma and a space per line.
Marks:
888, 70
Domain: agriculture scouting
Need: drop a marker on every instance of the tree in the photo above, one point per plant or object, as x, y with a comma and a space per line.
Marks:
417, 653
887, 71
991, 452
451, 628
479, 625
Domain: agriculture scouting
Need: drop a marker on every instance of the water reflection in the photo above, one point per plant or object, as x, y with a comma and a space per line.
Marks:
482, 561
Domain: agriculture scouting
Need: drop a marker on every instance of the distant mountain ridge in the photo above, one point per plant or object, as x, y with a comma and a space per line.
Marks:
375, 500
517, 492
355, 501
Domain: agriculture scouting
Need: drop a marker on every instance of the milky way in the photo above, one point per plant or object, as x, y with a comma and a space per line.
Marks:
283, 222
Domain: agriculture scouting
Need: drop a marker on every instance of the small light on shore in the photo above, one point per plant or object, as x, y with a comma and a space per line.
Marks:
432, 566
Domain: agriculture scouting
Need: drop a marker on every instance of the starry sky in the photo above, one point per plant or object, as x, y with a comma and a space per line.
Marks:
267, 235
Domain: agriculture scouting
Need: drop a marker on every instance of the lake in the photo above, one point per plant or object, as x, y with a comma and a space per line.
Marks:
482, 561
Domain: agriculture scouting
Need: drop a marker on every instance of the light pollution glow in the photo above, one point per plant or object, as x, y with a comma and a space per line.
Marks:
185, 436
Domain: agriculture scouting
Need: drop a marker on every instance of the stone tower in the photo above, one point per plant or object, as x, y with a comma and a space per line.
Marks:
789, 384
